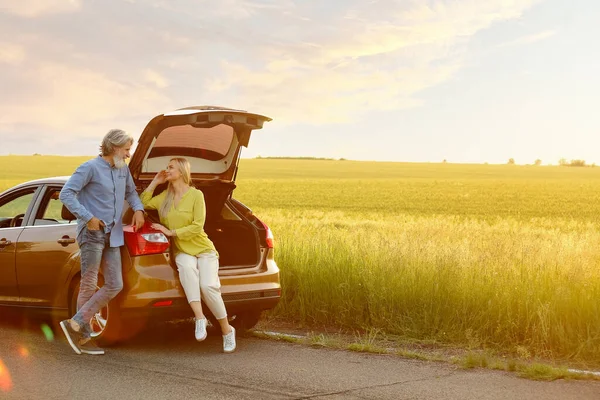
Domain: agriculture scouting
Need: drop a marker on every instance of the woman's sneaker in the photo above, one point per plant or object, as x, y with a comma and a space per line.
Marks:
200, 329
229, 341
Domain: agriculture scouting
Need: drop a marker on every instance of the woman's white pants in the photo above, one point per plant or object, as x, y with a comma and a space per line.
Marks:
200, 274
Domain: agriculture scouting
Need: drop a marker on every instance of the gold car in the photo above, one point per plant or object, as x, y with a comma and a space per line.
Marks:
39, 256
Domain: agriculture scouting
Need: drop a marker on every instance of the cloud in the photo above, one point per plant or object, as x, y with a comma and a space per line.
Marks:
225, 9
333, 95
11, 53
157, 79
295, 61
36, 8
529, 39
375, 56
75, 99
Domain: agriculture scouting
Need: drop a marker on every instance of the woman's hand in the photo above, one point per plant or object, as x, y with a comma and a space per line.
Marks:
160, 178
161, 228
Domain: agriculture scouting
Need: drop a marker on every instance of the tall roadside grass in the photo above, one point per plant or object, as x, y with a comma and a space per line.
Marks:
529, 287
489, 256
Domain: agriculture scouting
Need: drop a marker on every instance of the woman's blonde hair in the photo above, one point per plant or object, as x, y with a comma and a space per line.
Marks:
183, 166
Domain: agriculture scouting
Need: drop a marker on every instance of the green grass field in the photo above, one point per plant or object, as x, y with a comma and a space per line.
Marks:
485, 256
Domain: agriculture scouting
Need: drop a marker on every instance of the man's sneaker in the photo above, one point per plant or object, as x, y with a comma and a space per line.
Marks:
200, 329
73, 337
229, 341
89, 346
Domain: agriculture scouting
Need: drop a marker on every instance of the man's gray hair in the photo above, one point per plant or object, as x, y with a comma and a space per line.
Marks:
113, 139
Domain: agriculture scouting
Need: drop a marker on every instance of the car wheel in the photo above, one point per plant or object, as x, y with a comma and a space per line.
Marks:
106, 324
246, 320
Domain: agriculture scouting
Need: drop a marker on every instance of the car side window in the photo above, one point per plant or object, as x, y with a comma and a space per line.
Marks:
50, 209
13, 208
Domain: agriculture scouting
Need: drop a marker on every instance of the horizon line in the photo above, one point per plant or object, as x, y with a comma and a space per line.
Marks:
312, 158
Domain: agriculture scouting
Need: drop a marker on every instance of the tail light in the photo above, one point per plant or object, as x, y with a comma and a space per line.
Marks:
145, 240
163, 303
269, 239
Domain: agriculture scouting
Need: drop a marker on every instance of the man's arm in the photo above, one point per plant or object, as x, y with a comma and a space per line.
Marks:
69, 192
131, 195
134, 202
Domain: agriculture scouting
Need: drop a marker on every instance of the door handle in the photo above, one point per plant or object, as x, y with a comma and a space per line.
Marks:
4, 242
65, 241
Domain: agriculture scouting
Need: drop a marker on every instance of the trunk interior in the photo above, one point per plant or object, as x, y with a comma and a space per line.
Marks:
235, 238
236, 243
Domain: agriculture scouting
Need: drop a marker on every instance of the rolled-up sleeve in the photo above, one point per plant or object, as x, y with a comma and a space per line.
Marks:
131, 195
197, 225
69, 192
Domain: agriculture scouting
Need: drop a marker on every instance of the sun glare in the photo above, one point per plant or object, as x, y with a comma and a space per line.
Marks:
5, 379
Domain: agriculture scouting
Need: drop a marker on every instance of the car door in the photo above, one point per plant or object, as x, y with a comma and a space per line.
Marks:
46, 252
15, 207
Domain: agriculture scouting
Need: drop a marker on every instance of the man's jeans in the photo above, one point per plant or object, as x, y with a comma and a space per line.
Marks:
96, 252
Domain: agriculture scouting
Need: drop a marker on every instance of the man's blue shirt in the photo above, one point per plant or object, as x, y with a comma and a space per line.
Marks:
98, 190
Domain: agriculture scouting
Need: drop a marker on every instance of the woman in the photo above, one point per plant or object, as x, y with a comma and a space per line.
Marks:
182, 213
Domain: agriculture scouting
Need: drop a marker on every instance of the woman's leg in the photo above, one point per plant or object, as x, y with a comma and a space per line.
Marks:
190, 280
210, 286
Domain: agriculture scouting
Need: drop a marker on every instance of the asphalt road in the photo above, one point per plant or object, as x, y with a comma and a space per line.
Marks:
168, 364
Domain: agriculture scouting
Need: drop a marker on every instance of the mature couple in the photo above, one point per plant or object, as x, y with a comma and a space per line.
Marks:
95, 194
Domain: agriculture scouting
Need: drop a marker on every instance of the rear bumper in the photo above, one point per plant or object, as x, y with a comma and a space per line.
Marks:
152, 289
180, 309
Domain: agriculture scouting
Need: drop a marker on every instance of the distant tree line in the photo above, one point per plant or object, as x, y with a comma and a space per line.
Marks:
299, 158
511, 161
574, 163
562, 162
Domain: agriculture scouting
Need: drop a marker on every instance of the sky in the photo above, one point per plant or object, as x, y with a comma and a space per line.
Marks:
390, 80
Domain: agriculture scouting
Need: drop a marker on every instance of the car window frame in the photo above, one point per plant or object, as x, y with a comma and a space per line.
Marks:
13, 194
38, 203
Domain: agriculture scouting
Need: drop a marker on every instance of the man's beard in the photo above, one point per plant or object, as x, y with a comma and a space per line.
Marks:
119, 162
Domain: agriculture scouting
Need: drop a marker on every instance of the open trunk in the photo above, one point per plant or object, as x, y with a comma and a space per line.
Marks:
235, 233
210, 138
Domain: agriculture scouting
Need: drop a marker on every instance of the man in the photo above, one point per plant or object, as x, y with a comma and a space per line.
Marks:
95, 194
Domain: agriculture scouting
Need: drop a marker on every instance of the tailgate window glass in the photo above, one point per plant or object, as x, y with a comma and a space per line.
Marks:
198, 142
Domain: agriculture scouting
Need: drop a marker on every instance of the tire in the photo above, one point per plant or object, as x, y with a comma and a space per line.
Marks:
245, 321
242, 321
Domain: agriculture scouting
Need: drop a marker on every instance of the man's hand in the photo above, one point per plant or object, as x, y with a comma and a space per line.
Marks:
138, 219
95, 224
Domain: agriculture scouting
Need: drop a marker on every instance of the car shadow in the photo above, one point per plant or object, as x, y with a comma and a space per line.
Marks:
28, 323
175, 335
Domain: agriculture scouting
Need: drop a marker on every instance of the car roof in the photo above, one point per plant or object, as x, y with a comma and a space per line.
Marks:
43, 181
